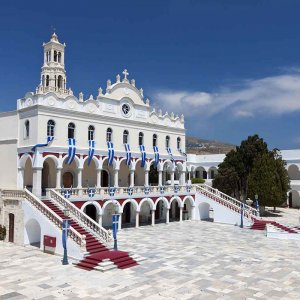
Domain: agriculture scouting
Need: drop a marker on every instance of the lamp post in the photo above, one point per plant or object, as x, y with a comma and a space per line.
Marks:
242, 213
256, 203
115, 223
65, 228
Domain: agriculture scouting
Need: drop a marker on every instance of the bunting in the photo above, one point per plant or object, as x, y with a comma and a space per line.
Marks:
49, 140
143, 153
91, 151
71, 151
128, 154
111, 153
156, 155
170, 153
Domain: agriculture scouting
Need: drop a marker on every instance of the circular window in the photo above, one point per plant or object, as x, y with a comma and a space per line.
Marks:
125, 109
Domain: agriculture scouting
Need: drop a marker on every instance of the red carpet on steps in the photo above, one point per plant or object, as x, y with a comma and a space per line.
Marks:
261, 225
98, 251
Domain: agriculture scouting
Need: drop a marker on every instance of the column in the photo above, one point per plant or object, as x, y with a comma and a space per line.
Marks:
159, 177
180, 214
58, 178
79, 181
132, 178
137, 219
99, 178
152, 217
146, 178
120, 222
20, 183
100, 220
37, 182
116, 178
182, 177
167, 216
193, 213
172, 177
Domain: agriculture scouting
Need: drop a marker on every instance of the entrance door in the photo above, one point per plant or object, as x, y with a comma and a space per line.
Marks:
290, 199
126, 213
11, 218
91, 211
157, 211
68, 179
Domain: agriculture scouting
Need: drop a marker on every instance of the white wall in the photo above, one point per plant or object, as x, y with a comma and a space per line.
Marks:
48, 228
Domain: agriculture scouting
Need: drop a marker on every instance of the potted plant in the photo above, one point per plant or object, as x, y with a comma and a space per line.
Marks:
2, 232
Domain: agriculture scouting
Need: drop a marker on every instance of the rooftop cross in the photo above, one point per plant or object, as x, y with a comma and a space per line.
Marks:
125, 72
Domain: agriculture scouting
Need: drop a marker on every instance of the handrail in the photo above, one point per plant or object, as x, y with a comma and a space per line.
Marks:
44, 209
249, 211
104, 235
103, 192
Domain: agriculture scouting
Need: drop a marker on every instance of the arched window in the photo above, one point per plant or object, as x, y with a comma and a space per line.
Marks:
125, 136
50, 128
178, 143
109, 135
91, 133
59, 82
55, 55
59, 57
141, 138
71, 130
47, 80
154, 140
167, 141
27, 129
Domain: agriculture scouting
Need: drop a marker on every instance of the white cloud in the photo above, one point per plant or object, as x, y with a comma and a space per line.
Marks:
274, 95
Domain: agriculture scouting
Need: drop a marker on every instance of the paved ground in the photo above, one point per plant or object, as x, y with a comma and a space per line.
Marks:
192, 260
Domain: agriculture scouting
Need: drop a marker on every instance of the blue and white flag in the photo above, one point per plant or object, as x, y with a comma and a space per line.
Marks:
71, 151
91, 192
170, 153
176, 188
156, 155
115, 223
146, 190
143, 152
128, 154
67, 193
162, 189
111, 153
91, 151
188, 188
111, 191
49, 140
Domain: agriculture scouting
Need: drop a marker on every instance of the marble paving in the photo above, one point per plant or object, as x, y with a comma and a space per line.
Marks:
188, 260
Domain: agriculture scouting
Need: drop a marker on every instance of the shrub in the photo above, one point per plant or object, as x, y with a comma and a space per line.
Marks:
2, 232
197, 180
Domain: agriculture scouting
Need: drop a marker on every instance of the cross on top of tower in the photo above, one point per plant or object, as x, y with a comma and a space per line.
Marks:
125, 72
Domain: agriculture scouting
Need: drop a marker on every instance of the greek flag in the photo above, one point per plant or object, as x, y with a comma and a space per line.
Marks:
162, 189
146, 190
170, 153
67, 193
111, 153
49, 140
71, 151
130, 191
91, 192
128, 154
156, 155
143, 152
111, 191
176, 188
188, 188
91, 151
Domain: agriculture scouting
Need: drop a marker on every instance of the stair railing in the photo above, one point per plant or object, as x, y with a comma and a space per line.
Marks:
249, 211
104, 235
45, 210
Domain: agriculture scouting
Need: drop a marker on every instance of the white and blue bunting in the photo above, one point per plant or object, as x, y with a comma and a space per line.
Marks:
156, 155
49, 140
111, 153
71, 151
143, 153
128, 154
91, 151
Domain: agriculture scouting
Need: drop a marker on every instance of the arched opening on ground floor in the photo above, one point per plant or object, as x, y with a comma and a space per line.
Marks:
161, 211
175, 210
108, 209
91, 211
204, 211
33, 233
188, 206
129, 215
145, 212
294, 199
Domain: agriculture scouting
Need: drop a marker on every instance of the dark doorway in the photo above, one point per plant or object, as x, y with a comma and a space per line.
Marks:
11, 230
91, 211
153, 175
68, 179
157, 211
290, 199
126, 216
104, 178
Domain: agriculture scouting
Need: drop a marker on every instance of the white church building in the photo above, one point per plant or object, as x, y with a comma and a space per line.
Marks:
94, 157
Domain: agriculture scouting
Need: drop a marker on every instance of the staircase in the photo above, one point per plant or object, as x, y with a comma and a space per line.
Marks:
97, 252
261, 225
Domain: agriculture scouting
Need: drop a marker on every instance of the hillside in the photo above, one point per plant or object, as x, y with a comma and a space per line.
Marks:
200, 146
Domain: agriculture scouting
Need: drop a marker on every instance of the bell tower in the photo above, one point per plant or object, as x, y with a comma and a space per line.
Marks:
53, 75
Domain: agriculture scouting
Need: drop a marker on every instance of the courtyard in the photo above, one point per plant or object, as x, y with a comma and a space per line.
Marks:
188, 260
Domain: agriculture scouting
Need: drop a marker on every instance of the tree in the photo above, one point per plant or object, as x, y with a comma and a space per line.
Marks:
269, 179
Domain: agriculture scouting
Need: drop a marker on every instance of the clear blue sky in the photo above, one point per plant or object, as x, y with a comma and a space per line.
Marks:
232, 67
